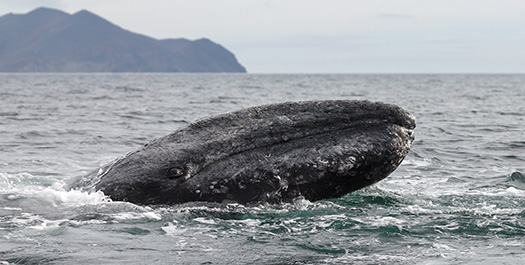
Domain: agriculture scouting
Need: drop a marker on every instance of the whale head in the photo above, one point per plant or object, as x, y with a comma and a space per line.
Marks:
272, 153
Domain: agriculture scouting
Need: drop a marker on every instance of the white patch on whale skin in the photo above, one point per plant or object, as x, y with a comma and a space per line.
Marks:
346, 165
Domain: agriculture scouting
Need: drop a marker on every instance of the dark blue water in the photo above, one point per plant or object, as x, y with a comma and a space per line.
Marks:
458, 198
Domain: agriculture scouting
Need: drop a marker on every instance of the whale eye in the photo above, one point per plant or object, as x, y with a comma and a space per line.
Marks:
175, 172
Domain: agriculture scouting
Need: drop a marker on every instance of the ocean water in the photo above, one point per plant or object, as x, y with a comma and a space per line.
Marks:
458, 198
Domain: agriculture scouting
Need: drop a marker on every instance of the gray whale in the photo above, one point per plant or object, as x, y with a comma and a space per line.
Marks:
272, 153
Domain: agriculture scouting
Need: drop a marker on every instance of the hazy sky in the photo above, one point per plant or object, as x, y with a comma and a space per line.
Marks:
331, 36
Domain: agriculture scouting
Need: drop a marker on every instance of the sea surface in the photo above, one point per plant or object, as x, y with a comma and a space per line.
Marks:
458, 198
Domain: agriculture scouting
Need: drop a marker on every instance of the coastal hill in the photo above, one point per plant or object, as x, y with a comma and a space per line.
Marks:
49, 40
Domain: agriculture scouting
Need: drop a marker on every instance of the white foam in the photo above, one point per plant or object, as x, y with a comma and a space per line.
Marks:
352, 258
421, 162
249, 222
136, 216
152, 215
9, 182
71, 197
174, 230
47, 224
12, 209
511, 191
205, 221
388, 221
25, 185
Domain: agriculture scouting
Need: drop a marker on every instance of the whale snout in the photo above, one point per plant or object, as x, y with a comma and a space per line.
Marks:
408, 121
411, 122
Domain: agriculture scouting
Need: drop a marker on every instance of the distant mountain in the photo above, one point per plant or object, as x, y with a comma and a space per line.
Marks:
49, 40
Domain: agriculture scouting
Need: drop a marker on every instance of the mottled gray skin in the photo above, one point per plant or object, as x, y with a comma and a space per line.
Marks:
272, 153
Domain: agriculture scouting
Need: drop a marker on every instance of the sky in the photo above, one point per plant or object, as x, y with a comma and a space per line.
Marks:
330, 36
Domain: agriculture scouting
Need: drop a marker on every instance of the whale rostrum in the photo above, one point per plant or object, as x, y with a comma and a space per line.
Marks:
271, 153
